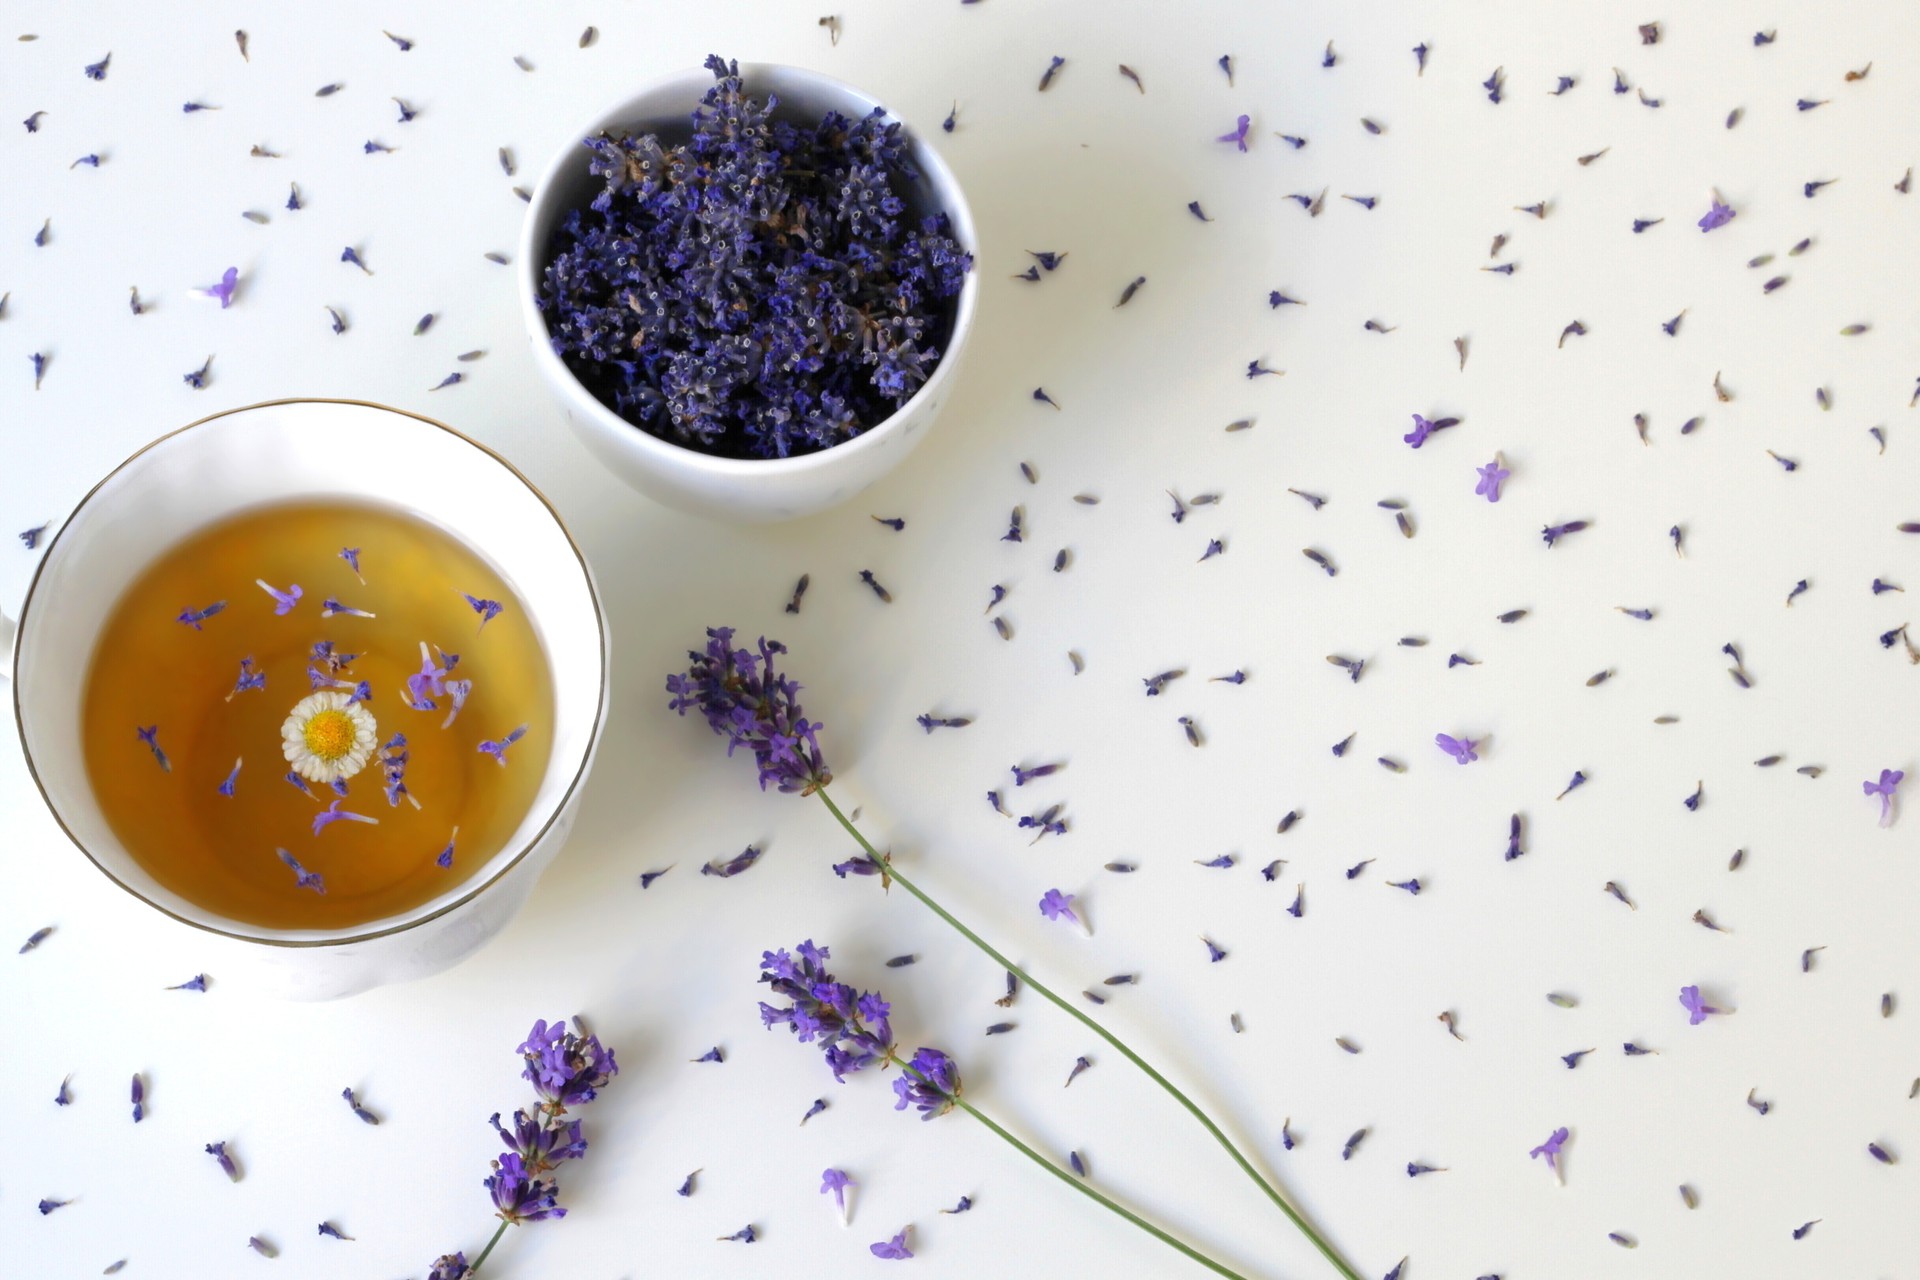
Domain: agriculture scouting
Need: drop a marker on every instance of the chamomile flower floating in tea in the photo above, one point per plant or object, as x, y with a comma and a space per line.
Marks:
328, 736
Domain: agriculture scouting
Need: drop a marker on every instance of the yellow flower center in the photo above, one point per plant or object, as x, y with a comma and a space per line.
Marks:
329, 734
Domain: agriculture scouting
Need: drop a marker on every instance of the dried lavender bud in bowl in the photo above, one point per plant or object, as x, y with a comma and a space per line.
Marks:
749, 288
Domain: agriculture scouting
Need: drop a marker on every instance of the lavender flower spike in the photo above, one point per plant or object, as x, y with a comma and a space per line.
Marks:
1890, 780
851, 1027
1551, 1150
753, 706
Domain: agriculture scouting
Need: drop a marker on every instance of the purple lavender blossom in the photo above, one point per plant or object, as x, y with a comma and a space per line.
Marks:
194, 617
449, 1266
823, 303
150, 735
1239, 134
303, 878
1717, 216
851, 1027
218, 1150
487, 609
732, 866
929, 1082
540, 1146
1055, 905
518, 1195
1554, 532
498, 750
224, 290
248, 678
459, 691
283, 601
366, 1116
1697, 1009
330, 608
1551, 1150
1461, 749
836, 1182
1890, 780
745, 700
334, 813
1492, 476
566, 1069
896, 1248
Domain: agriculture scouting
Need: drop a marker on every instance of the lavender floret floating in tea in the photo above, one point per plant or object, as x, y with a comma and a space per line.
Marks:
761, 290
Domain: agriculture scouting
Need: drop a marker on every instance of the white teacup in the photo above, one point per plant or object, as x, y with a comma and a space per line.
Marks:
279, 451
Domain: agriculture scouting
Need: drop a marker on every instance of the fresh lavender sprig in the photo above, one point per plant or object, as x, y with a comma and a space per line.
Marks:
568, 1069
748, 703
857, 1033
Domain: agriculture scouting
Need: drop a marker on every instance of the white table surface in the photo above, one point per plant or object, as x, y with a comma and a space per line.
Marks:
1100, 171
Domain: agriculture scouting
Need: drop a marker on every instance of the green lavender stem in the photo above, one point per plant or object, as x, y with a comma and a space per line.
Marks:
473, 1268
1206, 1122
1088, 1191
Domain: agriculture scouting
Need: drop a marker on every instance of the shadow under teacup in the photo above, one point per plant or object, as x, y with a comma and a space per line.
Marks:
285, 452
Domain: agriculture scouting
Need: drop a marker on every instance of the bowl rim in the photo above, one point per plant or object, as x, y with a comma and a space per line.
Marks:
475, 889
667, 452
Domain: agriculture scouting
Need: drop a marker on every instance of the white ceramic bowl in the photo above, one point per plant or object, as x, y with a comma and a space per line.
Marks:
281, 451
735, 488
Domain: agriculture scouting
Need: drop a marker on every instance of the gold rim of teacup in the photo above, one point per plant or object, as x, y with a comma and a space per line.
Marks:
559, 807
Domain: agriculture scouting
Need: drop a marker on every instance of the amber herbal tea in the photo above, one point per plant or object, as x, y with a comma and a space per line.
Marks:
312, 715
